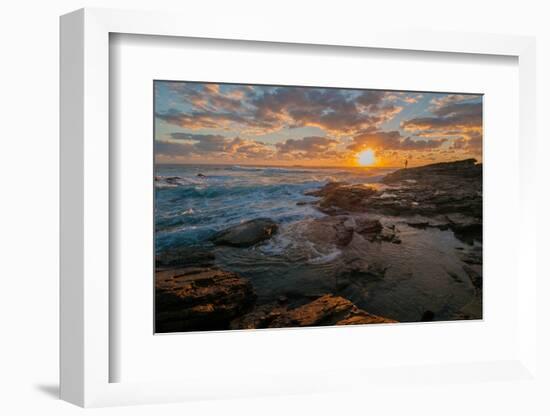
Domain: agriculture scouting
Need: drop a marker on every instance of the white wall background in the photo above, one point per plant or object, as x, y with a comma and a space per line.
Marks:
29, 56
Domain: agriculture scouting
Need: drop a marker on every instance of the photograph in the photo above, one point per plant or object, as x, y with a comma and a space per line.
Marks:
279, 206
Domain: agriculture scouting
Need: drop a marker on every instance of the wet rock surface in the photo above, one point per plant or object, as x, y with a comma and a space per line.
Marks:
195, 298
474, 273
449, 195
341, 197
328, 230
184, 257
326, 310
198, 298
246, 234
442, 188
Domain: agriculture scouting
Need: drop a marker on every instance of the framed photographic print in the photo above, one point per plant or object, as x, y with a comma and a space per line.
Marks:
281, 213
289, 206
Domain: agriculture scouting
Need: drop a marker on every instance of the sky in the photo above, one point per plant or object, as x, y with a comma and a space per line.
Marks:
325, 127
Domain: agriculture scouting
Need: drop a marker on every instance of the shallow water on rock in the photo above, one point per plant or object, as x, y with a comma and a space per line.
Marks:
424, 272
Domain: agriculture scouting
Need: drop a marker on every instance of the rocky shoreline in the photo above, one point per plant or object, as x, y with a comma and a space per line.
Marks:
193, 292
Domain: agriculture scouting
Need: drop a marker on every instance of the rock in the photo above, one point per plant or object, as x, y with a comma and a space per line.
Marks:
282, 299
419, 224
368, 226
325, 190
429, 191
357, 270
201, 175
465, 227
349, 198
199, 298
372, 229
455, 277
327, 230
462, 169
427, 316
259, 318
325, 310
341, 197
362, 318
441, 224
356, 262
355, 259
432, 190
472, 310
183, 257
172, 181
247, 233
473, 256
474, 273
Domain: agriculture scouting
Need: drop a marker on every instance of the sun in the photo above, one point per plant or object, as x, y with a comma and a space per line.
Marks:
366, 158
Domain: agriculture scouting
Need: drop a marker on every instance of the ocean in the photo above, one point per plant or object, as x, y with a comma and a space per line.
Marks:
191, 208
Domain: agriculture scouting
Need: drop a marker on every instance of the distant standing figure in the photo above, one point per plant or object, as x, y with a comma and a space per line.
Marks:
406, 163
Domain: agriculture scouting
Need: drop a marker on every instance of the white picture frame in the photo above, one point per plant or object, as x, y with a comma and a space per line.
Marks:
85, 219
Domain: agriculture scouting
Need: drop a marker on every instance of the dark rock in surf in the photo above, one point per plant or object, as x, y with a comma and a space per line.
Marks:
247, 233
169, 180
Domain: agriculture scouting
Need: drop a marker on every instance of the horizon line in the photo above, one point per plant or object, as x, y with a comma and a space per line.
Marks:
275, 166
308, 166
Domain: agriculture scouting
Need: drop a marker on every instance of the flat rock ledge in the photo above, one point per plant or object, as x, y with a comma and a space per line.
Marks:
247, 233
339, 197
199, 298
326, 310
339, 230
448, 195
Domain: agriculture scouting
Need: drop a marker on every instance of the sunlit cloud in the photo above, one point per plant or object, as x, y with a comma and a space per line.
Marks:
307, 147
226, 123
186, 144
455, 118
391, 140
445, 100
